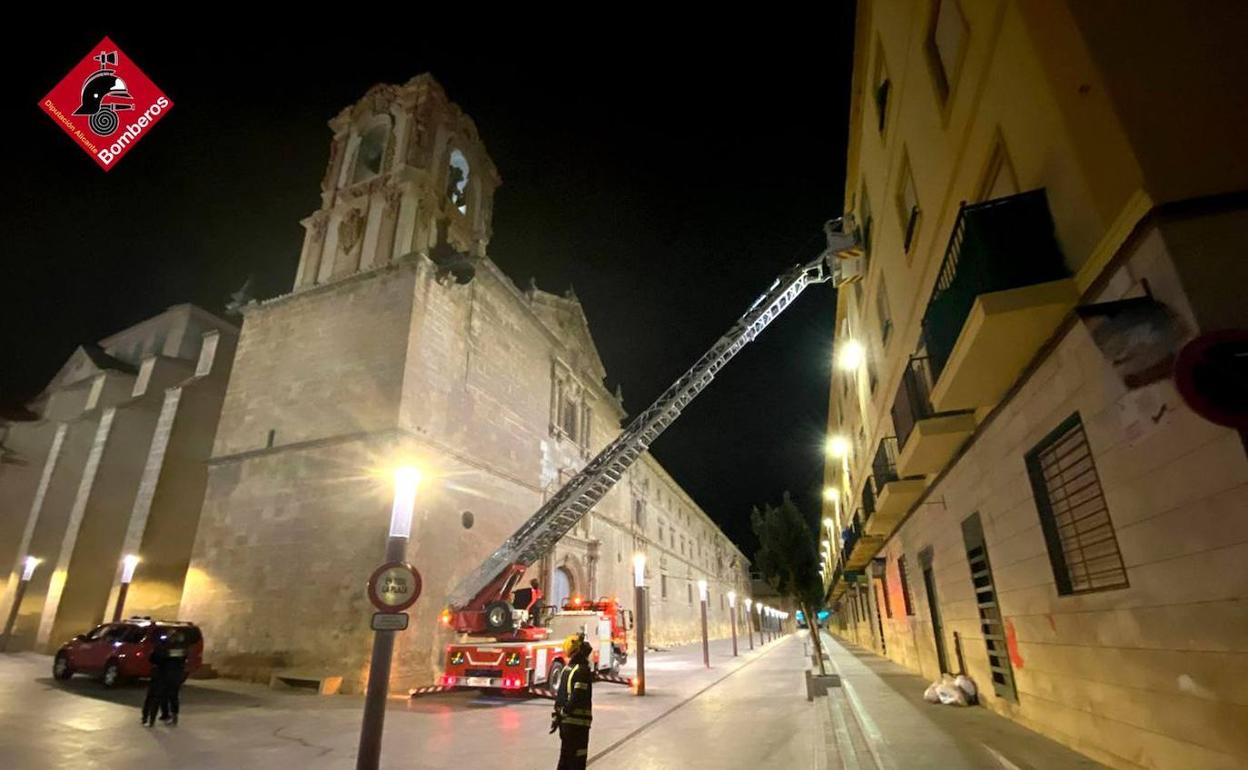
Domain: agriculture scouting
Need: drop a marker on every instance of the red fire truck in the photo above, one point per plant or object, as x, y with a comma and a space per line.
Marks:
533, 656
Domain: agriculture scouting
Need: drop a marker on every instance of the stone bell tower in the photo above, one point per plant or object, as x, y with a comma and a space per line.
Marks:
407, 174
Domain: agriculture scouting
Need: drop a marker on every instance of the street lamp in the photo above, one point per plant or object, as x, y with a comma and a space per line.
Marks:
706, 647
28, 571
128, 563
838, 447
749, 621
406, 481
643, 607
732, 616
851, 355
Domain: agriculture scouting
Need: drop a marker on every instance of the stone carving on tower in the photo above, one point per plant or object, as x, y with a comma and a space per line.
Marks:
407, 175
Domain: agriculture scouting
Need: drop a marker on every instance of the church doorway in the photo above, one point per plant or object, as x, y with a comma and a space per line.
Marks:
562, 587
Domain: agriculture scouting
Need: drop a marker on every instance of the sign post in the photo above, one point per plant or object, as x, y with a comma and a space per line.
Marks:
393, 587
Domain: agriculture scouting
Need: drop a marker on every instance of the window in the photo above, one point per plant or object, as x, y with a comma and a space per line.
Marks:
905, 585
888, 602
1083, 548
883, 313
639, 512
865, 221
999, 180
660, 532
882, 86
369, 152
873, 376
689, 586
663, 586
96, 633
457, 181
567, 416
907, 204
946, 43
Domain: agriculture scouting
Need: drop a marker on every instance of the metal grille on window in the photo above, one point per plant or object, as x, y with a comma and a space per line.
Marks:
990, 622
905, 585
1080, 534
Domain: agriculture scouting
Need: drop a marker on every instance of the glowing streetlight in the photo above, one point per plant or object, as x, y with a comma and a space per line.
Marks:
28, 571
406, 480
850, 355
838, 448
641, 600
128, 563
831, 494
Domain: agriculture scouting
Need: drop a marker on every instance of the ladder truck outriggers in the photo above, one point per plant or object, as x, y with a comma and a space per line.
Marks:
512, 650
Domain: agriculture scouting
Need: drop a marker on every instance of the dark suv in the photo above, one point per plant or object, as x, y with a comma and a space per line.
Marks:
119, 651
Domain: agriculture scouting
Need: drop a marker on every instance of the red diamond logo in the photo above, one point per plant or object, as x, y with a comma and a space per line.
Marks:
106, 104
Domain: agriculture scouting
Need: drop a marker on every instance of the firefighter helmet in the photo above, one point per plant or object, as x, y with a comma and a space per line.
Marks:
572, 644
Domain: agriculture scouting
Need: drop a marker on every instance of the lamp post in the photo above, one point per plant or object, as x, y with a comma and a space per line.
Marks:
643, 606
749, 621
28, 570
762, 624
406, 480
706, 646
732, 613
128, 563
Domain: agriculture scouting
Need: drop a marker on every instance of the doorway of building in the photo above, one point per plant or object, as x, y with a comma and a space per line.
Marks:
933, 606
562, 588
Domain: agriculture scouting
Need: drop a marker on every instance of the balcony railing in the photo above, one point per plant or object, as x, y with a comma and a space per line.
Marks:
913, 402
996, 245
884, 465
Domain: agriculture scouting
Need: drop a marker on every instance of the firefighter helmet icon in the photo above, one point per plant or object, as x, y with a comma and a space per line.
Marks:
103, 94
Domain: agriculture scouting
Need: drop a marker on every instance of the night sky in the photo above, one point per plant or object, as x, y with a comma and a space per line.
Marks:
669, 176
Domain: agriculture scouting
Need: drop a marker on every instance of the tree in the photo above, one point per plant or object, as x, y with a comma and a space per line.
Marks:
789, 561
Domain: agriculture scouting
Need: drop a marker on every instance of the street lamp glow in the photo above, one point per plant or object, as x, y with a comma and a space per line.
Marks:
838, 447
128, 563
851, 355
639, 569
702, 589
406, 481
828, 523
28, 568
831, 494
748, 604
732, 599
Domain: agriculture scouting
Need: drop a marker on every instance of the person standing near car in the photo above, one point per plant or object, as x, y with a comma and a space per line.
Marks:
172, 672
574, 705
155, 698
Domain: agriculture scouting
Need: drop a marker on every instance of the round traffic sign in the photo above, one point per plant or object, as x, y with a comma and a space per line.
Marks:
394, 586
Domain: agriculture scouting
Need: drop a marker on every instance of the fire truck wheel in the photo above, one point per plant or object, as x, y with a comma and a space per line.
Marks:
498, 617
552, 676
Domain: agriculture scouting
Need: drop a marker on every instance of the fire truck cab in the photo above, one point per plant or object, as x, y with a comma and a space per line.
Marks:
533, 656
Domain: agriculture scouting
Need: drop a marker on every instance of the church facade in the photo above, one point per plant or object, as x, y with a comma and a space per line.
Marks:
401, 342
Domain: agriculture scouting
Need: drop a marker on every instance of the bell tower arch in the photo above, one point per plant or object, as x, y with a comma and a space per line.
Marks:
407, 173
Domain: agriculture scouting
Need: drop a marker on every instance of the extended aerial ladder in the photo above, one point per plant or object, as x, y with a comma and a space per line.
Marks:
479, 603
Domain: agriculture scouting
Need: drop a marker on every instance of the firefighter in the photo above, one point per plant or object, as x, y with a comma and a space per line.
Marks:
574, 704
527, 599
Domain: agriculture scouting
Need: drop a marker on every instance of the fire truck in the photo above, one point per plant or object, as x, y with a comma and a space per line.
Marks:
537, 661
516, 651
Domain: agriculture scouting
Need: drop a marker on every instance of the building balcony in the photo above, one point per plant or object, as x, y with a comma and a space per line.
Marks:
892, 494
926, 439
859, 546
1002, 291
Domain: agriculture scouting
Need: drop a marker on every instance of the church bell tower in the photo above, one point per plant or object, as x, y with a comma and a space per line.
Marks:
407, 174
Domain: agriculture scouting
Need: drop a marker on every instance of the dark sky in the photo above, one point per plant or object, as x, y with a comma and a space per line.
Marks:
669, 176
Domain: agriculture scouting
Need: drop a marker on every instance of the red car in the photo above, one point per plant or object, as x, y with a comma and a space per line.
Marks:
119, 651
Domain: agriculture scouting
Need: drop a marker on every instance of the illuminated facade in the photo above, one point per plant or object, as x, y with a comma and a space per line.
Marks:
402, 341
1052, 210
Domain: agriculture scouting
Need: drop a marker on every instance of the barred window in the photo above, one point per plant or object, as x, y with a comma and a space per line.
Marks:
1077, 527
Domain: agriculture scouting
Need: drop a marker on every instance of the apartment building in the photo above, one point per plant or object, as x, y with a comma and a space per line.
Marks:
1032, 477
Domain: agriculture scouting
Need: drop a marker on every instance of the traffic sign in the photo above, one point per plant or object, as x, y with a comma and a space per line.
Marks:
394, 586
389, 621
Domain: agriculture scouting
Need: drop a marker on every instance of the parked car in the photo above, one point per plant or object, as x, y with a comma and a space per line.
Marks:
116, 652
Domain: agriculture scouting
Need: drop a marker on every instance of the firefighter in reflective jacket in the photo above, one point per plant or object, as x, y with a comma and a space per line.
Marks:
574, 704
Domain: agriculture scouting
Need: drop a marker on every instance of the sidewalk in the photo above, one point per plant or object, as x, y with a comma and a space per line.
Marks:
877, 720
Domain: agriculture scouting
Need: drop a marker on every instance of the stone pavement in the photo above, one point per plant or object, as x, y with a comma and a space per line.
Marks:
744, 712
877, 720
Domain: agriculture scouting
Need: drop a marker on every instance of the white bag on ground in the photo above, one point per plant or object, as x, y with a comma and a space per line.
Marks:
967, 686
930, 694
949, 692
